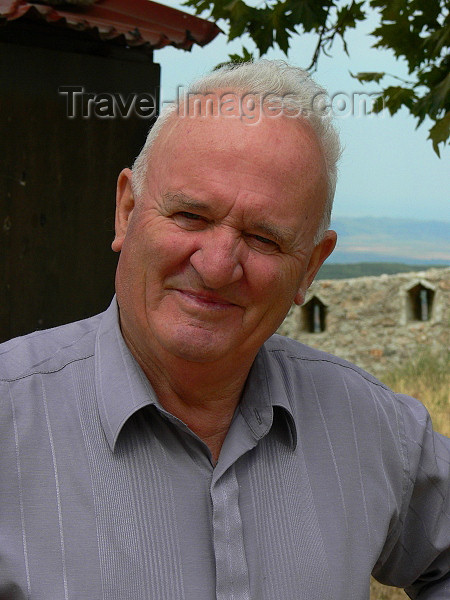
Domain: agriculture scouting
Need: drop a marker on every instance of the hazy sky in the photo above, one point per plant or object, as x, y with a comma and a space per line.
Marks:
388, 168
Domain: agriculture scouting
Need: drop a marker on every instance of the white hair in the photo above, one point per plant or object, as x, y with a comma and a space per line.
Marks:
289, 87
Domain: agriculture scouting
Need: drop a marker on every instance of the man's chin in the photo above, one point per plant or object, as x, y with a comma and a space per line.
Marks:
199, 346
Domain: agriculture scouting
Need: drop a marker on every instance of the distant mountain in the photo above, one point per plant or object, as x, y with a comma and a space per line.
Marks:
382, 239
364, 269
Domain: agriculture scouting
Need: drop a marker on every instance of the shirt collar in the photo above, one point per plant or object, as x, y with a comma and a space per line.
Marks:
265, 401
122, 387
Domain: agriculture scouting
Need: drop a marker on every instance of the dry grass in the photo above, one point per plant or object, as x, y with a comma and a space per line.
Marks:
382, 592
427, 378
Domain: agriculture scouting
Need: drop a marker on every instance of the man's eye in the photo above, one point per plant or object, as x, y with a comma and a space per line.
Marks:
262, 242
188, 220
190, 216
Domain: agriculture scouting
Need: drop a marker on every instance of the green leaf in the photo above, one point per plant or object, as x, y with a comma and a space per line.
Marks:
246, 56
348, 16
399, 38
240, 16
439, 96
440, 132
391, 10
312, 14
396, 96
378, 104
369, 76
282, 39
436, 43
200, 6
425, 13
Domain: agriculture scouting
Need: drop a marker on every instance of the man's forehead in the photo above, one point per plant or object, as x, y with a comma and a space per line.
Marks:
229, 131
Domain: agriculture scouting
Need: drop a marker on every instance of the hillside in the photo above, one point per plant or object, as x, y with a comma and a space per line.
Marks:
332, 270
381, 240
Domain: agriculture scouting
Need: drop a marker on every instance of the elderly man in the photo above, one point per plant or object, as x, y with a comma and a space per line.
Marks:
174, 448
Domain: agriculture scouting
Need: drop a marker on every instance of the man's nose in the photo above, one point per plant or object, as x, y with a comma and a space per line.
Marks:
218, 258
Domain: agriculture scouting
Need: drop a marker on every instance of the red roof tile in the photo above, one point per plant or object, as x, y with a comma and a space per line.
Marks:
140, 22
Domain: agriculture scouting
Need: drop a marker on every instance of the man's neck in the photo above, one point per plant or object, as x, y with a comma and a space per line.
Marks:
204, 396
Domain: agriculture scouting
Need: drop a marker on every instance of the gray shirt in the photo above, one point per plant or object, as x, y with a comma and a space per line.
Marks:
325, 476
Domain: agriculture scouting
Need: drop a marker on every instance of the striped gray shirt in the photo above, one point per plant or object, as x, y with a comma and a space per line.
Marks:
324, 477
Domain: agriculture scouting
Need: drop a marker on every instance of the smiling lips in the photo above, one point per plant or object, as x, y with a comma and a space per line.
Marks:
205, 299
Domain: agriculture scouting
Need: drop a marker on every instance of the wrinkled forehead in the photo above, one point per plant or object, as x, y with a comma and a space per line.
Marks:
243, 123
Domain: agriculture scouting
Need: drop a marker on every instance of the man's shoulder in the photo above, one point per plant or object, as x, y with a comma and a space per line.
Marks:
320, 364
49, 350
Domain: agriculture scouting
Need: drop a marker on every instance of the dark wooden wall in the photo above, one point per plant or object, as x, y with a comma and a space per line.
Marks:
57, 182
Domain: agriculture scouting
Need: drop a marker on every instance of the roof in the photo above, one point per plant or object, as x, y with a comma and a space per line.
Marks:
132, 22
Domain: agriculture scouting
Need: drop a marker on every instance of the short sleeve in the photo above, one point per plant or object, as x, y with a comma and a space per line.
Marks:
417, 556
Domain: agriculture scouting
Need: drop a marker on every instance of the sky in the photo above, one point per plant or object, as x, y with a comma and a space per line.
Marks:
388, 167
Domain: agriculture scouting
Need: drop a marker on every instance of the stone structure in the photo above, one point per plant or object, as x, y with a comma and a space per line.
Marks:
375, 322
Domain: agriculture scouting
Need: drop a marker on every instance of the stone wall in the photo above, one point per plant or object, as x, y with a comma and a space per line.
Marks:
375, 322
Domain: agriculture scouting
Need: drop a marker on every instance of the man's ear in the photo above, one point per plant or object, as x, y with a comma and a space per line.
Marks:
124, 208
320, 253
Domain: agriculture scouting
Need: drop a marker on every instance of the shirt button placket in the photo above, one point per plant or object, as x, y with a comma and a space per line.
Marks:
232, 579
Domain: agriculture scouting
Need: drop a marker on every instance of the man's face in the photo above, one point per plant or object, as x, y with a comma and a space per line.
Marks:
221, 242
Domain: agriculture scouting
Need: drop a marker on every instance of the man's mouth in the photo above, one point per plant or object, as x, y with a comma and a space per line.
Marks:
205, 298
